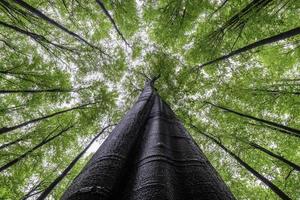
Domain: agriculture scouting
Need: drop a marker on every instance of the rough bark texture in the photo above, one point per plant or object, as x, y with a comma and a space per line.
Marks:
149, 155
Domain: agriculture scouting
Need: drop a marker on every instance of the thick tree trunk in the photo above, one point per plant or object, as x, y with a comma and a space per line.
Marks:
292, 131
266, 181
45, 141
149, 155
269, 40
47, 191
9, 129
102, 6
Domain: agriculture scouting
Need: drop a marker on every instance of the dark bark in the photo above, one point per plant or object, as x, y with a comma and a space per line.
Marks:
47, 191
36, 37
270, 127
31, 91
269, 40
292, 131
102, 6
8, 129
32, 191
149, 155
266, 181
45, 141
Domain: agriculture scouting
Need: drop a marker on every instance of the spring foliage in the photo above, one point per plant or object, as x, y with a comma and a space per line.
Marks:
64, 54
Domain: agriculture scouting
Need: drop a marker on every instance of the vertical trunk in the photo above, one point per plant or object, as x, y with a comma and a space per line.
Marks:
47, 191
266, 181
16, 160
148, 155
292, 131
9, 129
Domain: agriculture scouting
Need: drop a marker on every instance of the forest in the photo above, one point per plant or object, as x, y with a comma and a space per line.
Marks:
71, 69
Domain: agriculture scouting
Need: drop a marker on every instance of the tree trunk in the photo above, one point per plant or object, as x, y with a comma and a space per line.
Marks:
9, 129
30, 91
269, 40
292, 131
53, 22
148, 155
282, 159
36, 37
267, 182
47, 191
102, 6
45, 141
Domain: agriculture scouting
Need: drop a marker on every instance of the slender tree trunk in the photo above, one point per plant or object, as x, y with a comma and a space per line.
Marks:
47, 191
11, 143
8, 129
292, 131
30, 91
36, 37
53, 22
269, 40
256, 146
271, 127
266, 181
102, 6
45, 141
274, 92
31, 191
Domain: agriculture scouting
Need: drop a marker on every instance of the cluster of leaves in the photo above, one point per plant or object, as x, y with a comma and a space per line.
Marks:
68, 68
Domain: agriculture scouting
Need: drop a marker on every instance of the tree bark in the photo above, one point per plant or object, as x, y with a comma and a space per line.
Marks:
266, 181
9, 129
47, 191
45, 141
292, 131
269, 40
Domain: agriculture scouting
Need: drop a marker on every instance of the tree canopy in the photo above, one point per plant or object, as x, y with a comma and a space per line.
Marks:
70, 69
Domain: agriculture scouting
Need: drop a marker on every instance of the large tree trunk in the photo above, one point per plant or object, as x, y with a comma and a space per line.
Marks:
149, 155
266, 181
47, 191
9, 129
292, 131
45, 141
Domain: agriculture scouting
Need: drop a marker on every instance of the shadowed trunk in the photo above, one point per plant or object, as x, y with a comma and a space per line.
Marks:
45, 141
266, 181
47, 191
9, 129
292, 131
149, 155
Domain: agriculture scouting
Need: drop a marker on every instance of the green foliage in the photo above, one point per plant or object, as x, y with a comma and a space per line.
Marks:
166, 37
